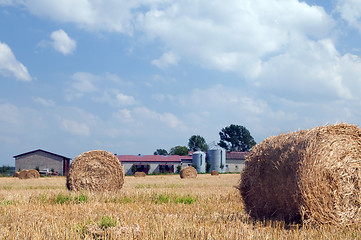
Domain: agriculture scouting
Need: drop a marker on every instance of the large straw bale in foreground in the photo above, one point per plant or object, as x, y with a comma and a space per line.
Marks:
28, 174
314, 175
95, 171
139, 174
188, 172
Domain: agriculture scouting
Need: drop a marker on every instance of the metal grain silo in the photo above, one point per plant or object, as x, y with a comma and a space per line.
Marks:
217, 158
199, 161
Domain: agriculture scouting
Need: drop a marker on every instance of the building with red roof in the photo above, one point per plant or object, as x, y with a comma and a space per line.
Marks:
172, 163
150, 163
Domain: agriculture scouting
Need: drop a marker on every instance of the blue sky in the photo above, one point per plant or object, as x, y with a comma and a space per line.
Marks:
134, 76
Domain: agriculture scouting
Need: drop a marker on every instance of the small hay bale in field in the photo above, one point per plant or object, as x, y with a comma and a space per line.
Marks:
188, 172
32, 173
95, 171
22, 174
16, 174
139, 174
312, 175
214, 173
28, 174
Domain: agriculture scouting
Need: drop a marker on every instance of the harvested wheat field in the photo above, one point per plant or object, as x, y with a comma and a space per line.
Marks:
310, 175
140, 174
154, 207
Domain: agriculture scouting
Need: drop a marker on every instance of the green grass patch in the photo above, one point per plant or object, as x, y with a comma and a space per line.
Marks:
7, 202
107, 222
171, 198
162, 198
67, 199
188, 199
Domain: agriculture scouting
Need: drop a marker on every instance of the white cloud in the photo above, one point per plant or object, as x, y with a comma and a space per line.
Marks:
62, 42
166, 60
235, 36
74, 127
9, 113
124, 100
124, 115
80, 84
166, 118
10, 66
350, 11
314, 70
109, 15
44, 102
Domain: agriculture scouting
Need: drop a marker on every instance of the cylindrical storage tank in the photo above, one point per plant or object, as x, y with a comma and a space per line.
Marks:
199, 161
217, 159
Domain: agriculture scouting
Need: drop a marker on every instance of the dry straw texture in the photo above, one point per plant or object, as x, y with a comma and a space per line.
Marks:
28, 174
312, 175
188, 172
95, 171
16, 174
214, 173
139, 174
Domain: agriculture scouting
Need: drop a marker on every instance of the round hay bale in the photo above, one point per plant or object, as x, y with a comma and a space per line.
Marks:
312, 175
22, 174
188, 172
214, 173
96, 170
28, 174
32, 173
16, 174
140, 174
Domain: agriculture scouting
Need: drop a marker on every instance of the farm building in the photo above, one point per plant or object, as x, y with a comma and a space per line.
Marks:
149, 163
41, 159
235, 161
186, 160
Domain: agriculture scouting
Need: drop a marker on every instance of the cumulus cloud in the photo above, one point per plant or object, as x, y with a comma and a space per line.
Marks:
166, 60
109, 15
10, 66
80, 84
124, 115
62, 42
350, 11
311, 72
74, 127
166, 118
9, 113
235, 36
124, 100
44, 102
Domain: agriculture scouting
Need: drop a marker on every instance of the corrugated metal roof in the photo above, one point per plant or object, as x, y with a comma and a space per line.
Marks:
236, 155
40, 150
149, 158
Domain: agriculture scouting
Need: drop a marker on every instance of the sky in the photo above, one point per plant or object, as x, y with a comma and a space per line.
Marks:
134, 76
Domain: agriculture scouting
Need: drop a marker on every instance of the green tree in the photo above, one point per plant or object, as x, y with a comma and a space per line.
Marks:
236, 138
161, 152
197, 143
179, 150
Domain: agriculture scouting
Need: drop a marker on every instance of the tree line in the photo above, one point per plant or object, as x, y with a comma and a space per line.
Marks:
232, 138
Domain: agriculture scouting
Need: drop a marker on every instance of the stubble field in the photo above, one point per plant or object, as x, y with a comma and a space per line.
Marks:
153, 207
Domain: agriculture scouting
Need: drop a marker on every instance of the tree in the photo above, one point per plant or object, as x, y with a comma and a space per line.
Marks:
161, 152
179, 150
197, 143
236, 138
